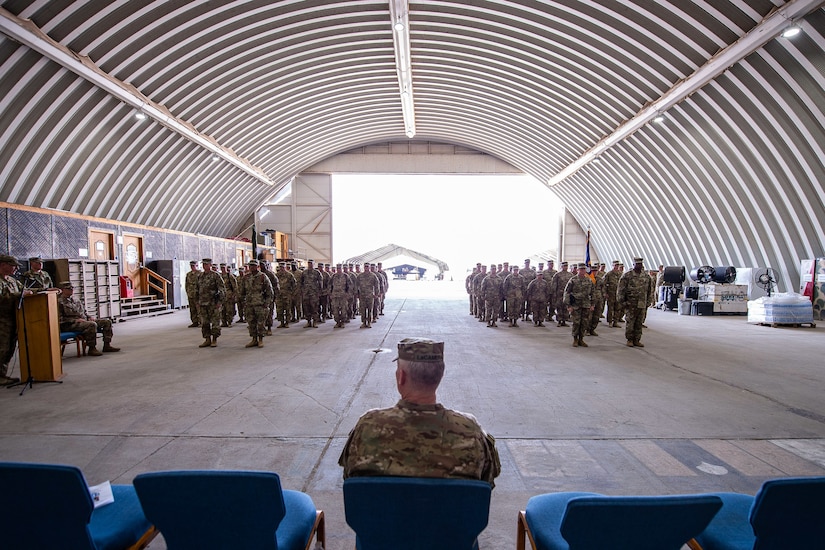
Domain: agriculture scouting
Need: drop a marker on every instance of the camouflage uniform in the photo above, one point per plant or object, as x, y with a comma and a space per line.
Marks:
368, 288
209, 296
324, 298
352, 300
529, 274
230, 282
73, 318
312, 283
276, 292
10, 291
598, 303
339, 296
192, 294
283, 301
477, 280
514, 287
468, 286
297, 302
491, 291
258, 296
385, 287
634, 294
611, 285
538, 294
578, 295
557, 286
37, 279
549, 273
416, 440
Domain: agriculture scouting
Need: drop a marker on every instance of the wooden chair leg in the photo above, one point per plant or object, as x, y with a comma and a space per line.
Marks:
79, 352
522, 532
693, 545
319, 530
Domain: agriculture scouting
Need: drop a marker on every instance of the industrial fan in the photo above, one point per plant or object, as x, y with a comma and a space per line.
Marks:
702, 275
767, 280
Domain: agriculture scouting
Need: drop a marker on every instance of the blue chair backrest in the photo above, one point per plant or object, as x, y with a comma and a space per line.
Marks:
409, 513
636, 522
213, 509
789, 513
44, 506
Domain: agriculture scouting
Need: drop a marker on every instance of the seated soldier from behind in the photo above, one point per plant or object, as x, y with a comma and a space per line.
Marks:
73, 318
419, 437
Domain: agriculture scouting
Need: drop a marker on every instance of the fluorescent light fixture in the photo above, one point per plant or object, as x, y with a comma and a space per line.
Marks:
400, 15
140, 115
791, 31
658, 119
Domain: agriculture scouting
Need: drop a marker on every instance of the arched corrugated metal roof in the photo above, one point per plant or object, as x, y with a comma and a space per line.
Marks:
734, 174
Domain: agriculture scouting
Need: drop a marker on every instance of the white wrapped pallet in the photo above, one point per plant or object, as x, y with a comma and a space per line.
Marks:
787, 308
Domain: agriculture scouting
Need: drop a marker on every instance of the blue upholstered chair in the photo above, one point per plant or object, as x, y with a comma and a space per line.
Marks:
410, 513
589, 521
46, 506
215, 509
785, 513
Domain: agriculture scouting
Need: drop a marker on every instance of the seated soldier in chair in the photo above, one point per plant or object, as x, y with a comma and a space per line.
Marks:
73, 318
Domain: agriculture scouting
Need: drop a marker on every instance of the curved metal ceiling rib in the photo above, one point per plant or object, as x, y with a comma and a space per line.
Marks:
735, 174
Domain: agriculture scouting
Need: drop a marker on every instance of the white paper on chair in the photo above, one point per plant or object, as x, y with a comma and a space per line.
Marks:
102, 494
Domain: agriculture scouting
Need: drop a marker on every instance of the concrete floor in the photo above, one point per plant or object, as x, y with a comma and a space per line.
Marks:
711, 403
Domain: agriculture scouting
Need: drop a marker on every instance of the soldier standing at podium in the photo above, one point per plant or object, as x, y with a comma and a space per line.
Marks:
35, 277
73, 318
10, 292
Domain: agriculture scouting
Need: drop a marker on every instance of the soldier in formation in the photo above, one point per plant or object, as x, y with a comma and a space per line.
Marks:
191, 283
538, 296
209, 295
230, 282
578, 299
514, 288
492, 293
339, 296
258, 296
634, 294
283, 301
557, 286
276, 291
312, 284
369, 288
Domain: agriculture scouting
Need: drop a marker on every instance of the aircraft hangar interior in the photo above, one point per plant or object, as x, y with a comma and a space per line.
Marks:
136, 135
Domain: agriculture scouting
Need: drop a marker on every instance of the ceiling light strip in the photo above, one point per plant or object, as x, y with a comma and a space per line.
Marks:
400, 21
27, 33
768, 29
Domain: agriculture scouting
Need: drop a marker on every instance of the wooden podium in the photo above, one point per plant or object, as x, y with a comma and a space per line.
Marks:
38, 326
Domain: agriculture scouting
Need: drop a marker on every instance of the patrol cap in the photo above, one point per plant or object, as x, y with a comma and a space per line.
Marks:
65, 284
222, 264
37, 259
253, 262
193, 262
422, 350
6, 259
638, 260
616, 262
564, 263
206, 261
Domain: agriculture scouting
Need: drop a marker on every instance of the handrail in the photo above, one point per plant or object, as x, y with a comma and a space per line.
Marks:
148, 277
